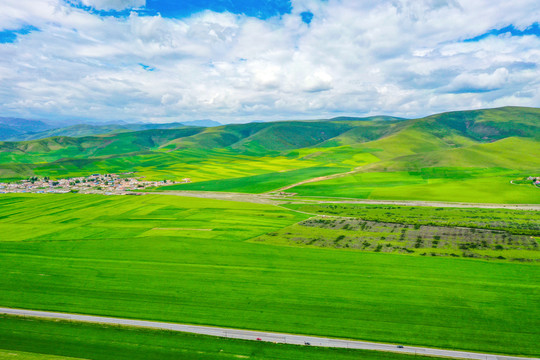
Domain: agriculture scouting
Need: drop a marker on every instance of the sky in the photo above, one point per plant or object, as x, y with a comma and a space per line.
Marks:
245, 60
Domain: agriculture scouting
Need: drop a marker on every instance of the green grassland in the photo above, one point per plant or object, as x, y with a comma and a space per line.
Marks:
23, 355
32, 339
259, 183
445, 184
458, 156
190, 260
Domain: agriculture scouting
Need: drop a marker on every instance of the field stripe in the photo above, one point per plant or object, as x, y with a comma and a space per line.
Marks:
182, 229
262, 336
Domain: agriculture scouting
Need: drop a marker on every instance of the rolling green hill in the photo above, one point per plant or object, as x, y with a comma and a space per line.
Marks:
469, 152
63, 147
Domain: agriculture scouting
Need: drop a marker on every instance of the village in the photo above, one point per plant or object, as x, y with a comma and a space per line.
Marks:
108, 184
535, 180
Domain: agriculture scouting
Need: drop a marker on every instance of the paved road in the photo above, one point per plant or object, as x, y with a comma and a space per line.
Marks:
436, 204
275, 199
264, 336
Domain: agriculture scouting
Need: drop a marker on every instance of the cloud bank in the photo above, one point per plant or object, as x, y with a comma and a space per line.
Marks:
397, 57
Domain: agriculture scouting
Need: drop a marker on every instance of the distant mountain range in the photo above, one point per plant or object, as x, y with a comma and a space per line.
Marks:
15, 127
18, 129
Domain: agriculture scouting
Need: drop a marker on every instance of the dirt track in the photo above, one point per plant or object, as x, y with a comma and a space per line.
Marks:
317, 179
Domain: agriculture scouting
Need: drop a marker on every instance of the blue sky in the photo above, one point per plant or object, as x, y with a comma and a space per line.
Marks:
262, 9
237, 61
510, 30
10, 35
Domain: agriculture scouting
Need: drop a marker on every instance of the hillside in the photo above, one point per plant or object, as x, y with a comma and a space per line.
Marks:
64, 147
389, 157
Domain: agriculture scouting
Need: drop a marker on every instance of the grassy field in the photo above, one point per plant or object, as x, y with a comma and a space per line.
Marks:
25, 339
259, 183
458, 186
188, 260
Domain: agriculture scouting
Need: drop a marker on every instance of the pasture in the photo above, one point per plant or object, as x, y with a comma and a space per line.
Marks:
258, 183
459, 185
147, 258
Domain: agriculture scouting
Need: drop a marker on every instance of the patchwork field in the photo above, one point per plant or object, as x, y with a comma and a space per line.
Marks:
259, 183
146, 257
198, 165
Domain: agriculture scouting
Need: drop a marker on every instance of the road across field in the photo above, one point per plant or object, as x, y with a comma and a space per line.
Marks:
263, 336
276, 199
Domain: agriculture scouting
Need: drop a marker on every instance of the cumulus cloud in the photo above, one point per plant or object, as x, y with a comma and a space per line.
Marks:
320, 80
400, 57
479, 82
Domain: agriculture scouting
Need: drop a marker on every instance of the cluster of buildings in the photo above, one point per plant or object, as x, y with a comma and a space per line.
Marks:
535, 180
109, 184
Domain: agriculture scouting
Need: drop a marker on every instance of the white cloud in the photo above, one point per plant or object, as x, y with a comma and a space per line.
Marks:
479, 82
320, 80
399, 57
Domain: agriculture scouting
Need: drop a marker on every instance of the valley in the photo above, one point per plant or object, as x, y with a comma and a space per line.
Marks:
269, 180
415, 232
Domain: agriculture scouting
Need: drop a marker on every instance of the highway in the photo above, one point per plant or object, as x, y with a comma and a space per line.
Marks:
263, 336
276, 199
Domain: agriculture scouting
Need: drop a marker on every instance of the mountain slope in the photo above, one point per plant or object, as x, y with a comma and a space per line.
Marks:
61, 147
486, 125
401, 156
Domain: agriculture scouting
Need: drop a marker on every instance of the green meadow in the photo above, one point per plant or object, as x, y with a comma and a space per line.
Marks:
32, 339
456, 186
258, 183
191, 260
